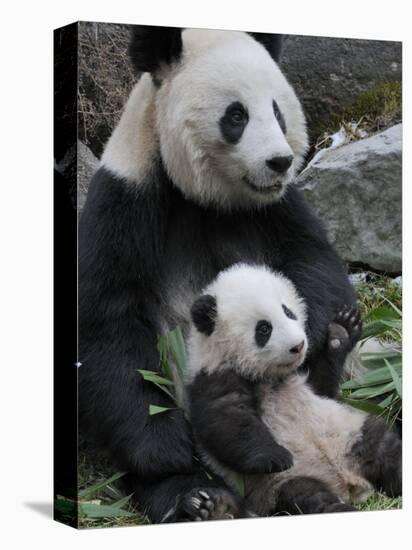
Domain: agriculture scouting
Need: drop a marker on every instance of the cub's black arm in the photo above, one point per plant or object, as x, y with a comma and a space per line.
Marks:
225, 417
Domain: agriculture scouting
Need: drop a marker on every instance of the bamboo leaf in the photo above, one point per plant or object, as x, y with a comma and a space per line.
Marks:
92, 510
373, 391
365, 406
155, 409
151, 376
89, 492
396, 380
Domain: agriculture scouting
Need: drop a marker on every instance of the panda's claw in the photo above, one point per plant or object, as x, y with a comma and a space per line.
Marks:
196, 502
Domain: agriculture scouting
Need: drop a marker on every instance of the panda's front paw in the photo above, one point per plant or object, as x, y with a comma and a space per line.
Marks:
344, 331
206, 504
282, 460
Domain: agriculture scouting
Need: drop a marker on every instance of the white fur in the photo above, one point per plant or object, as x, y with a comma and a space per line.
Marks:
216, 69
133, 146
246, 294
320, 433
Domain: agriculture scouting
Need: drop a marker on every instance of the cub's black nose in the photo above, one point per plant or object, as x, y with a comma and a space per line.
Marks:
279, 164
298, 348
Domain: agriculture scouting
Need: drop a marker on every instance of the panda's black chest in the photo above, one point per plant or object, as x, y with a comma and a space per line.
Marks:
205, 241
199, 243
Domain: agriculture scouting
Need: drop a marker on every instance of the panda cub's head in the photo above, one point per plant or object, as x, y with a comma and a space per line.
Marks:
250, 319
230, 130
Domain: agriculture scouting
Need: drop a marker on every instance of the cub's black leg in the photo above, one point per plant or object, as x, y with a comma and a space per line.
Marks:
307, 495
186, 498
379, 453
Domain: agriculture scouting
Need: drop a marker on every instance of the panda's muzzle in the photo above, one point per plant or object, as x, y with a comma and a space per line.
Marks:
275, 187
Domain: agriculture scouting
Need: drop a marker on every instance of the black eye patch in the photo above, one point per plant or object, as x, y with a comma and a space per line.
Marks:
263, 330
279, 116
233, 122
289, 313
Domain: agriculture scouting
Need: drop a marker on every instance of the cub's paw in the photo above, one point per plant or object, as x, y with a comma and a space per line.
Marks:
266, 461
281, 460
345, 330
210, 504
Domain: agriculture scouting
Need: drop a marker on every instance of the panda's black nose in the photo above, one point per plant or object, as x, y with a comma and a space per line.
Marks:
279, 164
298, 348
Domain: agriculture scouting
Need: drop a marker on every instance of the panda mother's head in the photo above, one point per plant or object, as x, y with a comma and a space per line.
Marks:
250, 319
230, 128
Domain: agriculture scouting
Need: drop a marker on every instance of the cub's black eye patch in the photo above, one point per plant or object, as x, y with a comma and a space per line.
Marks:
233, 122
263, 330
279, 117
289, 313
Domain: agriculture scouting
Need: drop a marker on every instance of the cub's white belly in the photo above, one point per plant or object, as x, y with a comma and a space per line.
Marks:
319, 432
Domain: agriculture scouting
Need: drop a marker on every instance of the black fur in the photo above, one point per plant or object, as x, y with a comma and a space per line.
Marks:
134, 243
280, 118
224, 408
306, 495
203, 313
233, 122
272, 42
380, 453
289, 313
151, 46
263, 330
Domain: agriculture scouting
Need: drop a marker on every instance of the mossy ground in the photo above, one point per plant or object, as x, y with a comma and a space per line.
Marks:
371, 112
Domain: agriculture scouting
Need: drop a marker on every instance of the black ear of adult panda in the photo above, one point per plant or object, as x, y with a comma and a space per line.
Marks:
203, 313
272, 42
150, 46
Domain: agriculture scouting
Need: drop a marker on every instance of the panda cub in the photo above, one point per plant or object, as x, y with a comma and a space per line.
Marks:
254, 413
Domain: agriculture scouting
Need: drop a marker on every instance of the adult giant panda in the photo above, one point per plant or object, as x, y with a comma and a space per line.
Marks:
195, 178
247, 397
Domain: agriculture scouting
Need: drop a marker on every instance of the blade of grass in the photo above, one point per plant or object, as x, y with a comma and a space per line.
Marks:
89, 492
395, 378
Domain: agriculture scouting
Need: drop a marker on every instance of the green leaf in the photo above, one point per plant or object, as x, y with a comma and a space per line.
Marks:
64, 506
151, 376
372, 378
240, 484
374, 391
120, 503
155, 409
396, 380
365, 406
177, 348
92, 510
93, 489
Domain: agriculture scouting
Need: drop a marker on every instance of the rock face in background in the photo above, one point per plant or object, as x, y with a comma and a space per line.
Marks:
356, 189
328, 73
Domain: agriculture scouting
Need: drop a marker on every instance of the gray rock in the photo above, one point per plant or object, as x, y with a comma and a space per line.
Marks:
86, 167
356, 189
328, 73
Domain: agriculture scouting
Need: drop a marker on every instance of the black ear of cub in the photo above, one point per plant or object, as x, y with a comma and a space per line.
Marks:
151, 46
272, 42
204, 313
